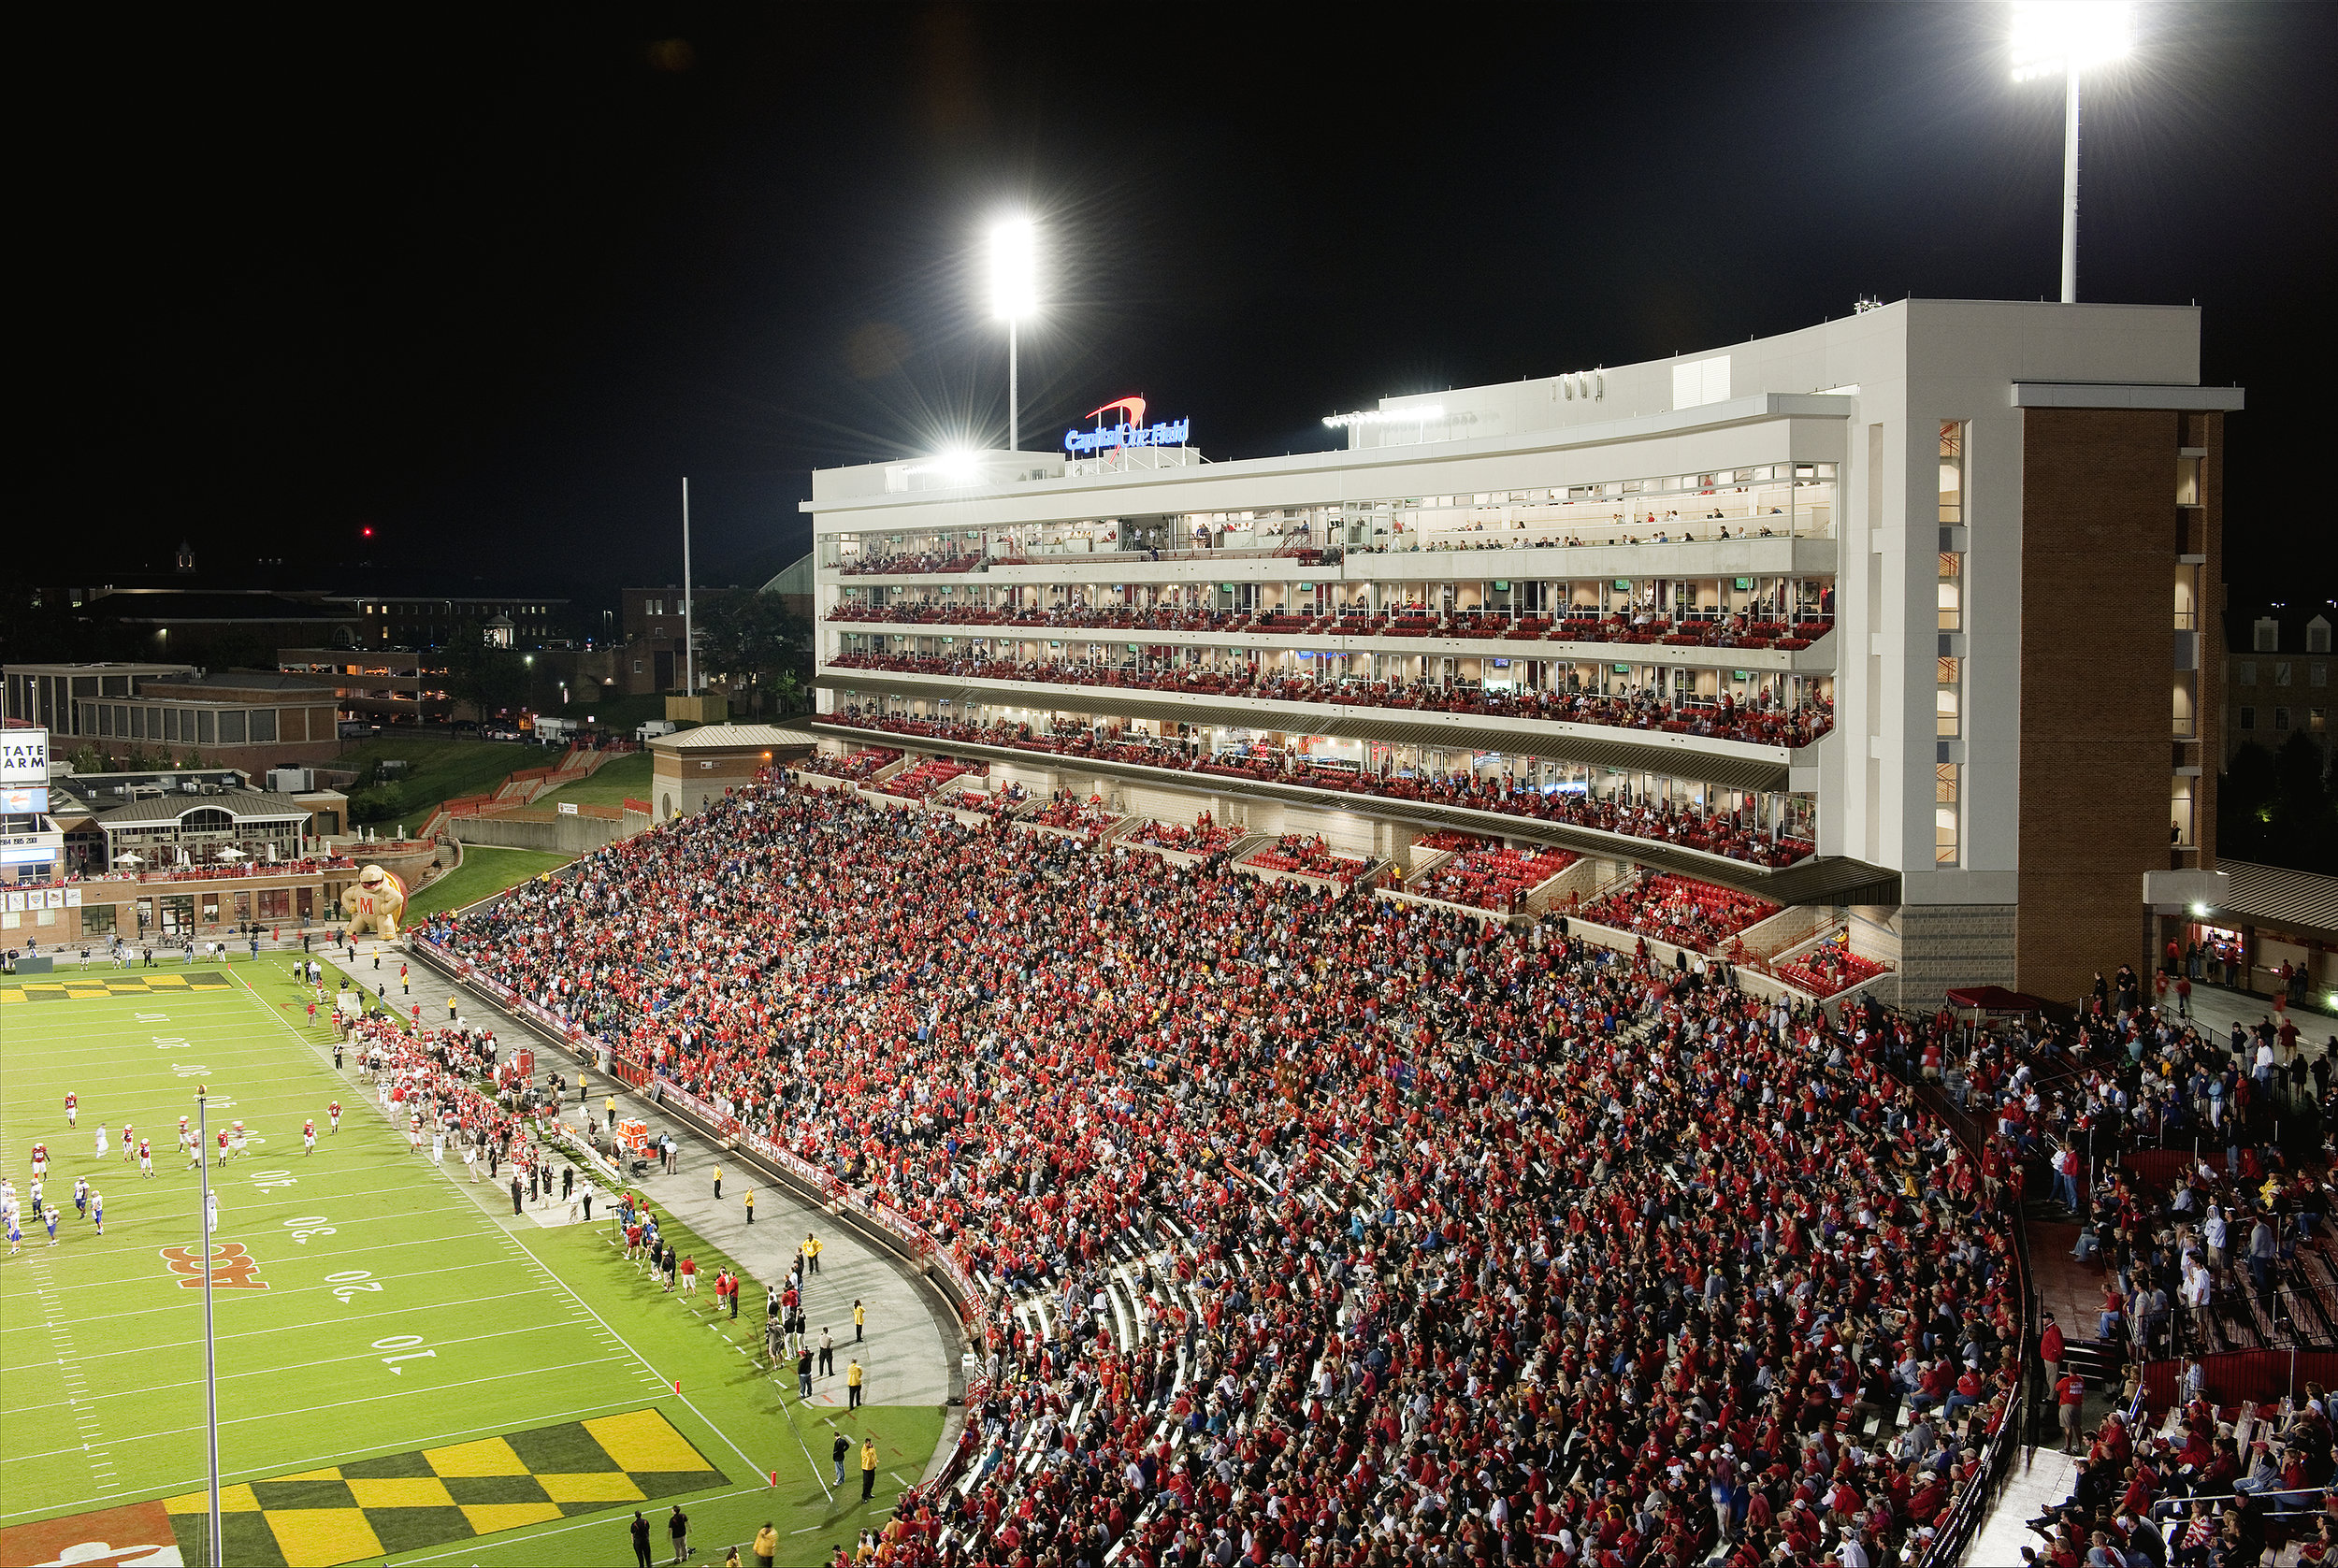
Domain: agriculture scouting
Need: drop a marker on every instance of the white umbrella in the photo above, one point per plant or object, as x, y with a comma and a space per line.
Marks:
229, 852
128, 861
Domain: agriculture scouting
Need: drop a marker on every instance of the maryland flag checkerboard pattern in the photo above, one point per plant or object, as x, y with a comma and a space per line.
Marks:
402, 1501
74, 986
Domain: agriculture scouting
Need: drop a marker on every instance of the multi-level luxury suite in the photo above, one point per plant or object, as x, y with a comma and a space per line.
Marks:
1869, 655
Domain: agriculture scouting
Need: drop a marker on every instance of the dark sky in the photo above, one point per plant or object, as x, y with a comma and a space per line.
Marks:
491, 284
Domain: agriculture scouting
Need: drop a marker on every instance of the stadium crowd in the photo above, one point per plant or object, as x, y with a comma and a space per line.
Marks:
1763, 722
1721, 830
1319, 1230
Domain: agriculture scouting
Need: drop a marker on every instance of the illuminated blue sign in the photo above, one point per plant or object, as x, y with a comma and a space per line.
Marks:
1131, 431
1171, 432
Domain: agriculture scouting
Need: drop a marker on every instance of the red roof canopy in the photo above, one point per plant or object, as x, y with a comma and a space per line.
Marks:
1996, 999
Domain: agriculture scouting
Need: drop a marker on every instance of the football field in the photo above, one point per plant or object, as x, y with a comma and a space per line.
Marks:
406, 1371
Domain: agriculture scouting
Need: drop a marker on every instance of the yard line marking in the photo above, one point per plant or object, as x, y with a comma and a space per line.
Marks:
299, 1366
284, 1290
274, 1415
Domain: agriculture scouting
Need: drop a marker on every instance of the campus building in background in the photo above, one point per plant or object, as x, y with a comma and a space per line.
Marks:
1906, 624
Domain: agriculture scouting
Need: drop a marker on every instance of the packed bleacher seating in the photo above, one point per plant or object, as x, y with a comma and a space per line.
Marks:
1491, 877
1736, 631
1725, 719
1678, 910
1312, 1229
1072, 812
1206, 836
1715, 833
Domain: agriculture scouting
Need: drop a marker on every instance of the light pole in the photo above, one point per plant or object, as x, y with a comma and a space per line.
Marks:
2065, 37
210, 1345
1014, 295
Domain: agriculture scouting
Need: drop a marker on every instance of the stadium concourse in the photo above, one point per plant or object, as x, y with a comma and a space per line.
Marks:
1317, 1230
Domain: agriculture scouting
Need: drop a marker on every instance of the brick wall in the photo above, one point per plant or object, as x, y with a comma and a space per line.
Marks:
2098, 563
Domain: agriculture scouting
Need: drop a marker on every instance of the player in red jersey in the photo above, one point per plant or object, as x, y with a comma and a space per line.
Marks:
334, 1111
126, 1142
72, 1108
146, 1158
40, 1160
309, 1136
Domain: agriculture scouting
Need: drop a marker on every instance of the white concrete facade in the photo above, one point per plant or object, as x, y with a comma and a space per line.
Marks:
1843, 421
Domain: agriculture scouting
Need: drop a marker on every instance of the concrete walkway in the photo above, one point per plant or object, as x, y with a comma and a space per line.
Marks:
911, 1344
2042, 1478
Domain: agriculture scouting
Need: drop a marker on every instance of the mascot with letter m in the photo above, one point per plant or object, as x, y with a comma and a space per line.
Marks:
374, 902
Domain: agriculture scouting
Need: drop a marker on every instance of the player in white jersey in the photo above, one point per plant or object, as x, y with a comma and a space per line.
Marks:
309, 1136
80, 1196
33, 1193
237, 1140
101, 1140
49, 1216
97, 1209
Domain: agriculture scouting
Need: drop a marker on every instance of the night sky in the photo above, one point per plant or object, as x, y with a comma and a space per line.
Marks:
491, 285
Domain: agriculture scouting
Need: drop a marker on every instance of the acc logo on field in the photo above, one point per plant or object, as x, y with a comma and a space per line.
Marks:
232, 1268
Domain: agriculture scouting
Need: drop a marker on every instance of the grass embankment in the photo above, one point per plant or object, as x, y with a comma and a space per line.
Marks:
610, 784
437, 771
486, 869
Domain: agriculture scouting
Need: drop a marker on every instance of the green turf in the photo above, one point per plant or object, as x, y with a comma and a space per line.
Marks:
610, 783
438, 771
367, 1252
486, 868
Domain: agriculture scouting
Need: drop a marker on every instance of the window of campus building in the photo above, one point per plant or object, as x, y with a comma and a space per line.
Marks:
1952, 471
2318, 635
2188, 482
2318, 720
263, 723
2183, 708
2245, 673
232, 728
1945, 813
2248, 718
2317, 675
2281, 718
1952, 591
96, 917
2281, 673
137, 723
275, 903
1947, 700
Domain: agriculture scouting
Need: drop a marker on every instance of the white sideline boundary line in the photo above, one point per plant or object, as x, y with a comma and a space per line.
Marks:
513, 1241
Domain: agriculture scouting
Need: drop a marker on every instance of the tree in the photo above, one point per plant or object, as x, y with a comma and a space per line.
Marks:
2279, 809
485, 679
754, 640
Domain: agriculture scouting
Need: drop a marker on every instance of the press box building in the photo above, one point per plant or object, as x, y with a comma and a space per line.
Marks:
1905, 619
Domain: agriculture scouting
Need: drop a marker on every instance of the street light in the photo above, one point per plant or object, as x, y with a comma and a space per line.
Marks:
1014, 295
2066, 37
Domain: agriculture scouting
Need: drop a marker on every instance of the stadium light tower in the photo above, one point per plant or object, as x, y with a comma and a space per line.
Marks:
1014, 296
2066, 37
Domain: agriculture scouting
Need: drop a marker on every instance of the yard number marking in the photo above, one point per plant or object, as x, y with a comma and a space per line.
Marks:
350, 1281
405, 1342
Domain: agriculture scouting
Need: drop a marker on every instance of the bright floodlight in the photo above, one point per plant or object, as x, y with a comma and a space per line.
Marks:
2054, 37
2067, 38
1014, 280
